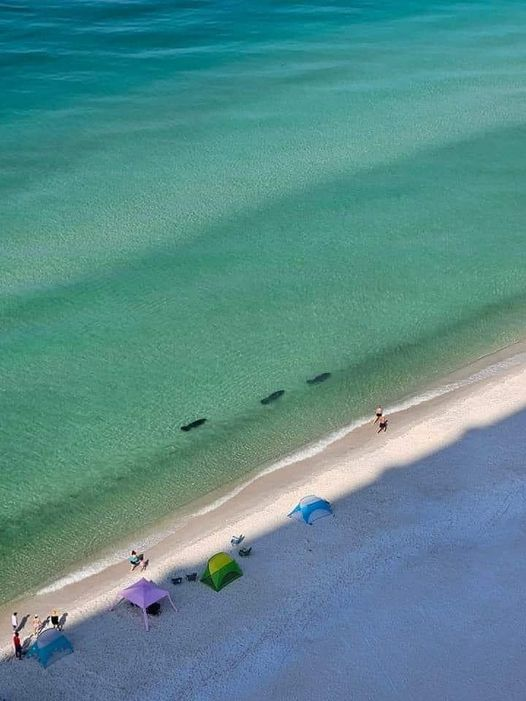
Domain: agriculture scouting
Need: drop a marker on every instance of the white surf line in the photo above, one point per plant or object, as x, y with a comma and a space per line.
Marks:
302, 454
483, 374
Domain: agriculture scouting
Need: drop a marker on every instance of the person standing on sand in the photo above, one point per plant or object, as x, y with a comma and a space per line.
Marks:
55, 622
14, 622
379, 412
17, 645
383, 424
37, 624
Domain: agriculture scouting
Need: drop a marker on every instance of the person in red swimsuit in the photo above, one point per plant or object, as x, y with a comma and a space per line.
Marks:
17, 645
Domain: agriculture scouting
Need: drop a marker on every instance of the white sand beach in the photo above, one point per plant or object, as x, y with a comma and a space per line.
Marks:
414, 590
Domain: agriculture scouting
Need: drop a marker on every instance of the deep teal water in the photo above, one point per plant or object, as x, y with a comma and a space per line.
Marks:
203, 202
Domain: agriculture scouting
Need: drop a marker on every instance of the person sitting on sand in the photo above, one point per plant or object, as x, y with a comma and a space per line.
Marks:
379, 412
383, 424
135, 560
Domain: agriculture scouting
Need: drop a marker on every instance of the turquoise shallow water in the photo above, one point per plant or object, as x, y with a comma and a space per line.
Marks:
203, 202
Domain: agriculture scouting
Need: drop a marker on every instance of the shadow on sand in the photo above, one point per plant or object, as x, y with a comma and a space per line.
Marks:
413, 590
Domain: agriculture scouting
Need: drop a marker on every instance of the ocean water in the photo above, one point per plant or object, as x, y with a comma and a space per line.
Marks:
203, 202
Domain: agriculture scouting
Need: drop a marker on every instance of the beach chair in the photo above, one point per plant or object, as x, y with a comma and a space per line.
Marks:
245, 552
191, 577
237, 539
177, 580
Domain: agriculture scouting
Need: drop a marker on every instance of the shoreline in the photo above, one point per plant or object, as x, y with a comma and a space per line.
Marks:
415, 581
203, 517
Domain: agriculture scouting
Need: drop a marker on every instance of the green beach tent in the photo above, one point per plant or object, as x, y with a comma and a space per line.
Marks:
220, 571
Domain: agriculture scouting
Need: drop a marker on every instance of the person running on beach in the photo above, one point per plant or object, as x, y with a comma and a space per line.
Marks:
55, 621
383, 424
14, 622
17, 645
379, 412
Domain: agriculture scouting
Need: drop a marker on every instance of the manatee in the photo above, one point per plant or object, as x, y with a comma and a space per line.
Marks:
194, 424
272, 397
319, 378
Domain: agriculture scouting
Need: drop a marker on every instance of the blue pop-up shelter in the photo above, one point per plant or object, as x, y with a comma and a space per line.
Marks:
310, 509
50, 646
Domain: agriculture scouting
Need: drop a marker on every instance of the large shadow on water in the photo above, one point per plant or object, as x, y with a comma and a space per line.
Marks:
415, 589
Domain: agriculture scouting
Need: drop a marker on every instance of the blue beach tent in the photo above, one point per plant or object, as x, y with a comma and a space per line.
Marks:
310, 509
50, 645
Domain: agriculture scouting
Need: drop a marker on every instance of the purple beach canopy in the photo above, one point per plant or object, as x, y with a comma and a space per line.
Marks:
144, 593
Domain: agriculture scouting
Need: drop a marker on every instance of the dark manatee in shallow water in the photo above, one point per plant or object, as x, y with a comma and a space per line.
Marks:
319, 378
272, 397
194, 424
